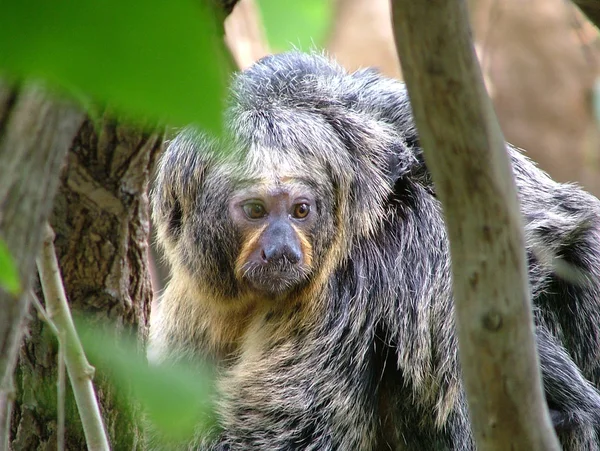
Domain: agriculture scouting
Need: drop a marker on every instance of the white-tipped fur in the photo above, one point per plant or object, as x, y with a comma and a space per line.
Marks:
362, 354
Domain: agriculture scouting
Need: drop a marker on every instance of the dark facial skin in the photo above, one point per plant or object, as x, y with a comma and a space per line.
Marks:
275, 223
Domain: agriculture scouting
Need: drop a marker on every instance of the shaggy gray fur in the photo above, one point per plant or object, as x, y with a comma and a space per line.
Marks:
369, 360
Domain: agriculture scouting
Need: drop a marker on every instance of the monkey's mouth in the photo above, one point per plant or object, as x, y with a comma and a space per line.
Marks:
277, 278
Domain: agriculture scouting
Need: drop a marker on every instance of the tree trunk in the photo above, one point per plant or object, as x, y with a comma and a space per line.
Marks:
35, 134
101, 222
466, 155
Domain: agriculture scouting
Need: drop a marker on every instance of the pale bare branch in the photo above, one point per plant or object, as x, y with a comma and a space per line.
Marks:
466, 154
79, 370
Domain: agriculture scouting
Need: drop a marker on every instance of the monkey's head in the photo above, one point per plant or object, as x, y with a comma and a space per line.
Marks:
276, 223
303, 173
239, 220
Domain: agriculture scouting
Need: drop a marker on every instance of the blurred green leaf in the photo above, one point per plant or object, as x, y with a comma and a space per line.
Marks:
9, 276
296, 24
177, 399
154, 59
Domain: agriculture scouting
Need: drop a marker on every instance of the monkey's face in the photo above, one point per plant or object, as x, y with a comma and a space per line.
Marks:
275, 224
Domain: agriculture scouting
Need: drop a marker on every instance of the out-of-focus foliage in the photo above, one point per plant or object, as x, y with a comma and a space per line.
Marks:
156, 59
302, 24
9, 277
176, 398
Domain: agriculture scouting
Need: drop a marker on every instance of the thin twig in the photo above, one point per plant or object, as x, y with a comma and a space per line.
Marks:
42, 312
61, 382
79, 370
61, 393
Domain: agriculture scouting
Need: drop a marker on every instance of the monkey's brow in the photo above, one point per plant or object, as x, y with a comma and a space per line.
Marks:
274, 181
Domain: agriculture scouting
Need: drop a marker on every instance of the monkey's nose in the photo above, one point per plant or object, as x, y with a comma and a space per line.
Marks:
278, 252
280, 245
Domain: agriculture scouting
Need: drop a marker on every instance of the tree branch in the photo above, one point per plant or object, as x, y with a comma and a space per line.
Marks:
466, 154
80, 371
591, 8
245, 34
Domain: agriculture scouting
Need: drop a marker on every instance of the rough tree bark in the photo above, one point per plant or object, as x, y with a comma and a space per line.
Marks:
101, 222
35, 134
466, 154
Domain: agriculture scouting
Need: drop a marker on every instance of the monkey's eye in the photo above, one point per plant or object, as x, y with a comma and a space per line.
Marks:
254, 210
301, 211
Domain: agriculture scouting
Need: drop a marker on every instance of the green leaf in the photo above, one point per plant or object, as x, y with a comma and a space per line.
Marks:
154, 59
296, 24
9, 275
177, 398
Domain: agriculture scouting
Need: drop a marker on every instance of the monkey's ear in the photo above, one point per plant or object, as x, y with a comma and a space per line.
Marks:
386, 100
382, 152
378, 158
179, 179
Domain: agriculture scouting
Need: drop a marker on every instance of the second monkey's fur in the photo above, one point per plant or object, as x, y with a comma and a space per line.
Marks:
360, 352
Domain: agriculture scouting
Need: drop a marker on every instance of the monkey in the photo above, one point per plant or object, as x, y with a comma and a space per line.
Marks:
310, 261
